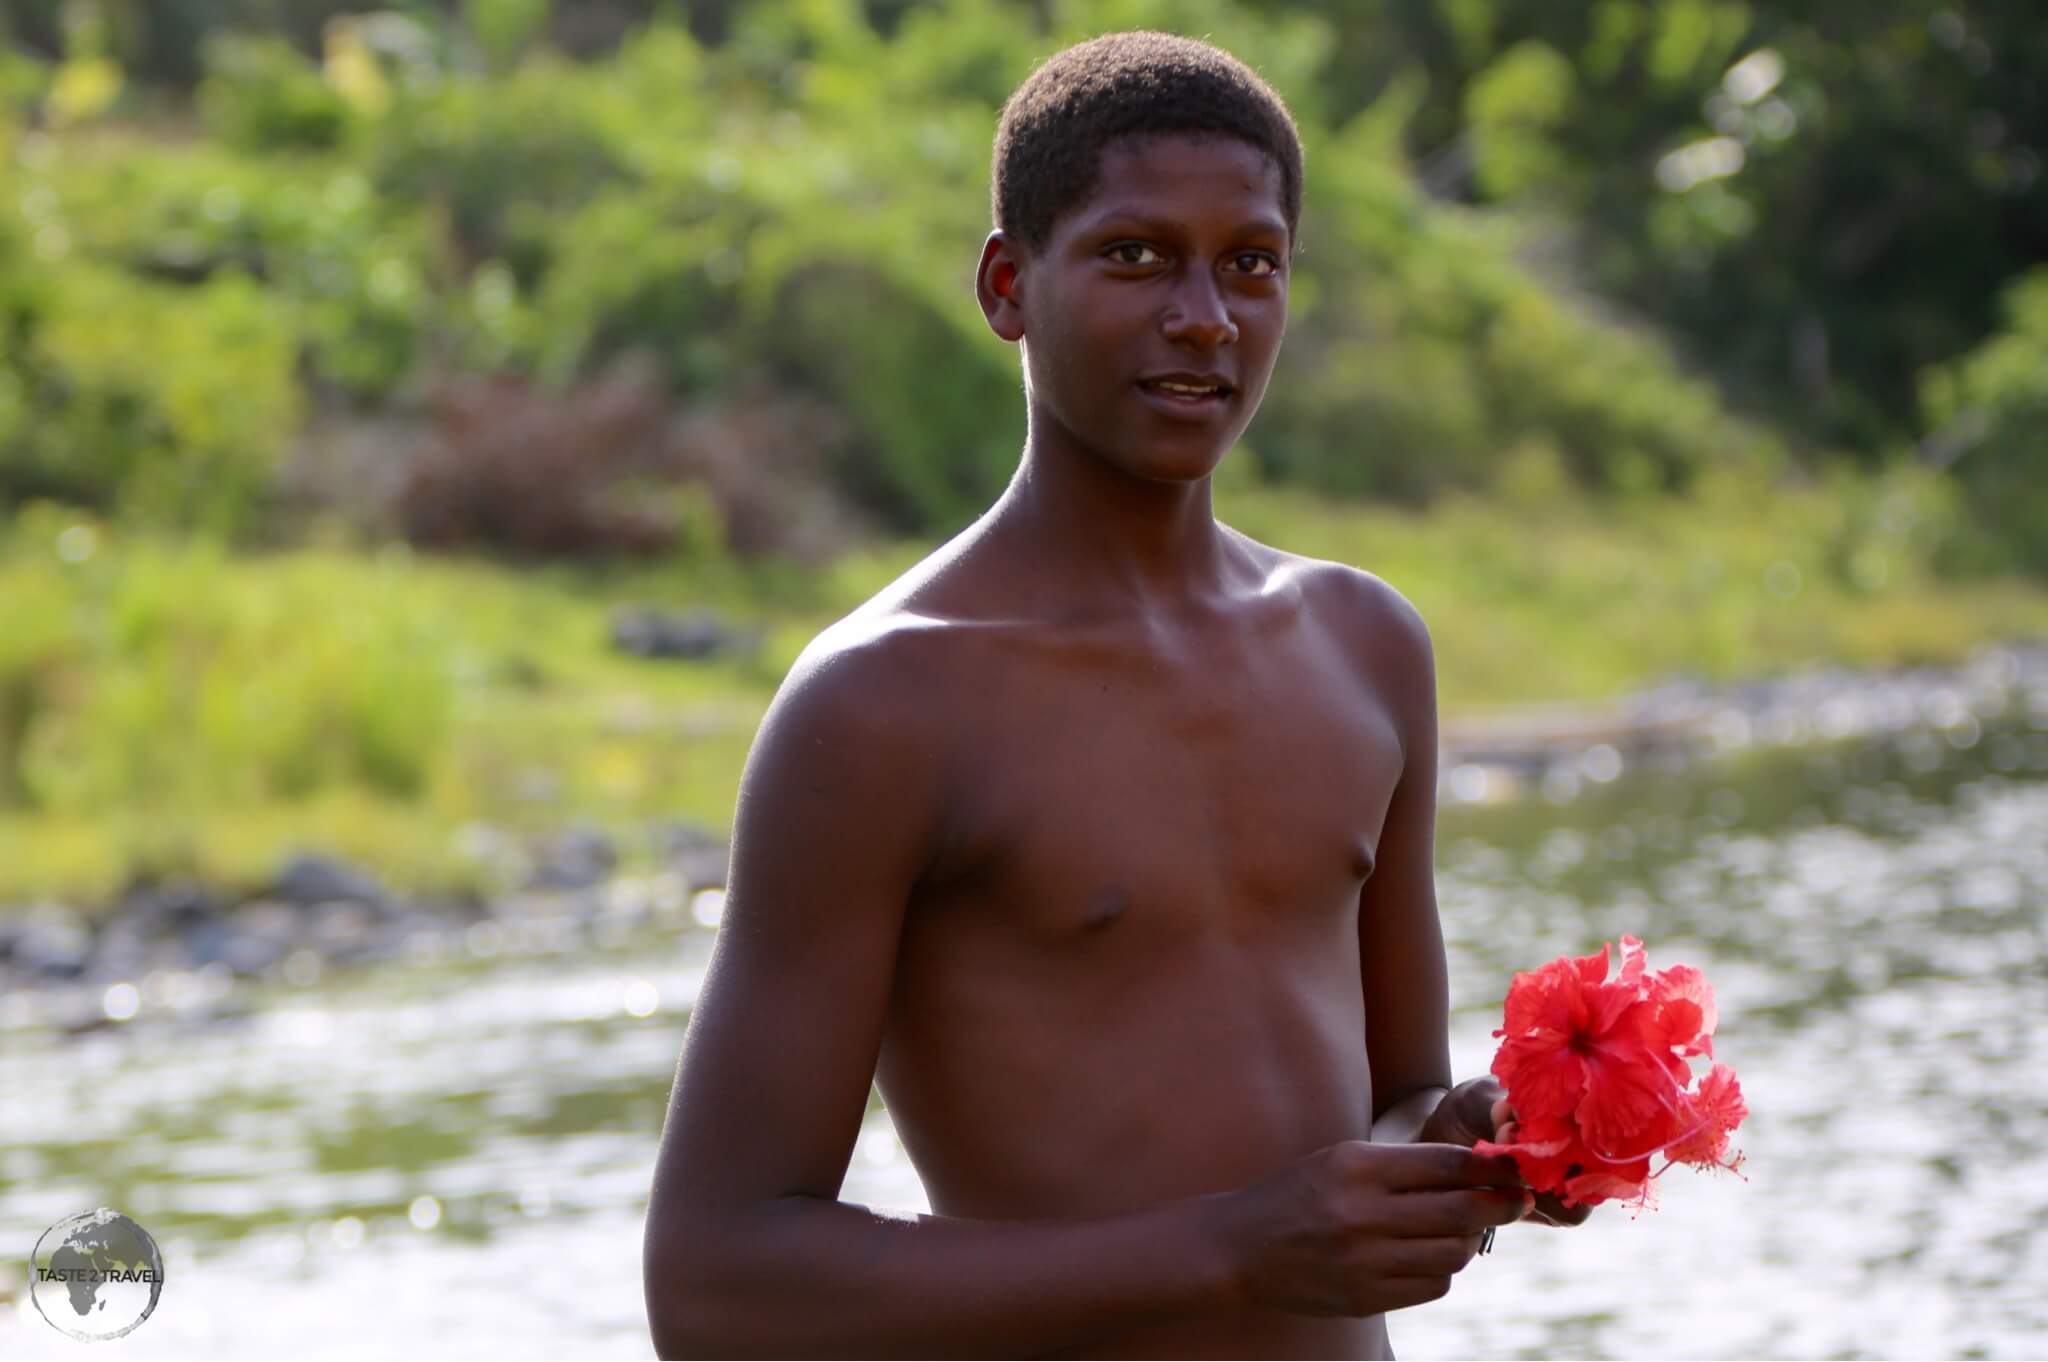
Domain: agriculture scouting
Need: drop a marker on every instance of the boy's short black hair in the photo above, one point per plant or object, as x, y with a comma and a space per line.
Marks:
1049, 142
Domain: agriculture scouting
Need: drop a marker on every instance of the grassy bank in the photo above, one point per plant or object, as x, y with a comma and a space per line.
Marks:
171, 707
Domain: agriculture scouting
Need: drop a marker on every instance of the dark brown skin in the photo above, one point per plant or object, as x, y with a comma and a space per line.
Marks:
1101, 841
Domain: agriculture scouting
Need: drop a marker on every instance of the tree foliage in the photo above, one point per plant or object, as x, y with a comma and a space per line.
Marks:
1821, 200
1824, 207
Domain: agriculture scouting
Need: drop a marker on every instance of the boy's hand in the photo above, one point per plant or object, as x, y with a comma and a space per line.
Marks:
1471, 1112
1360, 1229
1478, 1109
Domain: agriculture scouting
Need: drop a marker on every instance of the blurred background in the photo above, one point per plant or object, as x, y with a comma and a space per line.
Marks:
428, 433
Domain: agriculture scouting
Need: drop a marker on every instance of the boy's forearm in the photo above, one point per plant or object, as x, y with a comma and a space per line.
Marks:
1400, 1123
808, 1277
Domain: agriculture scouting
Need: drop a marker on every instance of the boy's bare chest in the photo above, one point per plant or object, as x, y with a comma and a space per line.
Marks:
1215, 784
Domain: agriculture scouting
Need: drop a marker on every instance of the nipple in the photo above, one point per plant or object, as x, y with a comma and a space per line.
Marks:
1105, 906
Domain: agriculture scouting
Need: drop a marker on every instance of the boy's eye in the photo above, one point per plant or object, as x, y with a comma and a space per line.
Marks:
1258, 264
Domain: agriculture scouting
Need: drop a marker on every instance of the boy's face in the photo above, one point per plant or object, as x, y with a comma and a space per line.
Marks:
1173, 275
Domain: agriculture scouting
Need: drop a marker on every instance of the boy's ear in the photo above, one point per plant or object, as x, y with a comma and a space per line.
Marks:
999, 286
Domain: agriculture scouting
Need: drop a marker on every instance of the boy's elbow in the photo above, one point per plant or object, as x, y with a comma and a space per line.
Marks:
682, 1315
678, 1333
673, 1332
686, 1322
704, 1275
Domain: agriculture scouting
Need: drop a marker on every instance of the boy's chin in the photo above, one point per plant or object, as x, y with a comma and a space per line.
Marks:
1175, 465
1174, 456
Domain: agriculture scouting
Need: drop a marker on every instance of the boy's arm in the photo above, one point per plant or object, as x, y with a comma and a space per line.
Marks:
747, 1249
1400, 934
1400, 938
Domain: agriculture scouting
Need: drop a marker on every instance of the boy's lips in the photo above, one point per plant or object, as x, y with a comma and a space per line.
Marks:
1187, 394
1184, 379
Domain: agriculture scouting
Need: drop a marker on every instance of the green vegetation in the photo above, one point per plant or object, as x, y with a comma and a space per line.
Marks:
1992, 410
1739, 579
668, 303
171, 709
1822, 207
775, 212
1820, 199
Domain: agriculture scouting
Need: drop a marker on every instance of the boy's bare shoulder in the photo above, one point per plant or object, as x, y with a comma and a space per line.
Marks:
883, 669
874, 671
1358, 606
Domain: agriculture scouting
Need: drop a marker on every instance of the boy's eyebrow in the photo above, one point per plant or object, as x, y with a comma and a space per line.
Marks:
1128, 217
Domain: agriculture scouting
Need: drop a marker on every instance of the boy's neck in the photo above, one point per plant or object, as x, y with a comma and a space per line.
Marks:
1098, 538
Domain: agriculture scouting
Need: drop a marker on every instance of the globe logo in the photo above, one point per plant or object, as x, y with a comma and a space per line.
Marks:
96, 1276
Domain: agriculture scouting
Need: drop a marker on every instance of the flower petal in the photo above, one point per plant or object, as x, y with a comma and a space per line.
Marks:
1632, 1107
1550, 998
1609, 1182
1590, 969
1633, 959
1544, 1078
1711, 1113
1546, 1151
1685, 1011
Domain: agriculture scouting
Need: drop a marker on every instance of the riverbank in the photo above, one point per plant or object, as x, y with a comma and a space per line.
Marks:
173, 711
169, 946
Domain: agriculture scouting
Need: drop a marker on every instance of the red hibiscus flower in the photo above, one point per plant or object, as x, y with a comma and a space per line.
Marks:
1597, 1071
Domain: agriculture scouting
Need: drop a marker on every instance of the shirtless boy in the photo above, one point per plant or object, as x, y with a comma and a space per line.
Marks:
1101, 841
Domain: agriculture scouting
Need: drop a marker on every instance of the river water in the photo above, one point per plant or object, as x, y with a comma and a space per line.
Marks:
450, 1156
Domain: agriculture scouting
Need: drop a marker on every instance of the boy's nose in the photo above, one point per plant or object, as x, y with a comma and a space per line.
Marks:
1197, 316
